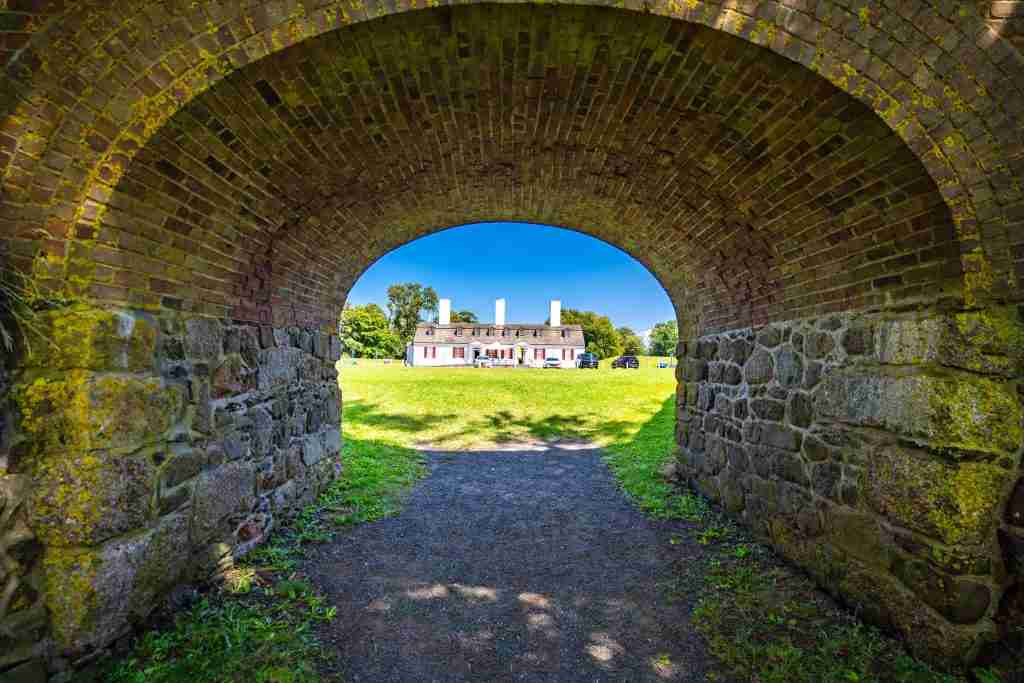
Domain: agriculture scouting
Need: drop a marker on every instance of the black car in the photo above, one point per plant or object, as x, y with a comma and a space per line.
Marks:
587, 360
626, 362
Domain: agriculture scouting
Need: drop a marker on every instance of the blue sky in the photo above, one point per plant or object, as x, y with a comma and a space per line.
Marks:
526, 264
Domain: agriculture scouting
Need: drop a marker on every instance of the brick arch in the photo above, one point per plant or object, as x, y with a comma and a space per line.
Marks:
939, 77
741, 179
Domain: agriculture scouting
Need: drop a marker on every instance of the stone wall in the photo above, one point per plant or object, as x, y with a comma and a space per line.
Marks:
878, 452
150, 452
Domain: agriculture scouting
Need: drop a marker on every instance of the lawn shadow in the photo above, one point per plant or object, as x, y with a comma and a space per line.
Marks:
372, 415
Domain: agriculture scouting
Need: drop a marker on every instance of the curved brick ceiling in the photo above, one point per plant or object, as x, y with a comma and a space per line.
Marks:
751, 187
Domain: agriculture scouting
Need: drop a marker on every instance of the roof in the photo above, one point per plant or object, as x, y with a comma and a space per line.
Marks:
462, 333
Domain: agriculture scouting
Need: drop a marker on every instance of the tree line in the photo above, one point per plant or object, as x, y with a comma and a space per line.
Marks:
369, 332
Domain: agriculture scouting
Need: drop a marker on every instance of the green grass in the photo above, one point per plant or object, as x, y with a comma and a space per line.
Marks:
476, 408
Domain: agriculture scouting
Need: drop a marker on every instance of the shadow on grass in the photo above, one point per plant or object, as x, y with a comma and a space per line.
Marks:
499, 427
371, 415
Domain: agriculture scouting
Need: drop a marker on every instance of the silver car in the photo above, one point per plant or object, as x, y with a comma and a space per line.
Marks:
552, 362
483, 362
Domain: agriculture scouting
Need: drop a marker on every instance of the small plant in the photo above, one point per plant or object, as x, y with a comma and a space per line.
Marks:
712, 534
742, 551
987, 675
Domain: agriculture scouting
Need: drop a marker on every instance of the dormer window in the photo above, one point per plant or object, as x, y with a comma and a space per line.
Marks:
430, 331
565, 334
476, 331
535, 333
490, 331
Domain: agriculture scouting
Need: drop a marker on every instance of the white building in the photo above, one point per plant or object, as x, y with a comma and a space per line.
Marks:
445, 343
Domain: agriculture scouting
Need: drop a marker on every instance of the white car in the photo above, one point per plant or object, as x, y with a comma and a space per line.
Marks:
483, 362
552, 362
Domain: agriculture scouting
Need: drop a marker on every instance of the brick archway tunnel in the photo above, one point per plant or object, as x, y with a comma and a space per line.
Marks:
828, 193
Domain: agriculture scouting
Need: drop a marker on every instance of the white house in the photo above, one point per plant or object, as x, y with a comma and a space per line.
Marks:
445, 343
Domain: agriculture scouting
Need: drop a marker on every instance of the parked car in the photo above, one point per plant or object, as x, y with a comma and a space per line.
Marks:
552, 362
626, 362
587, 360
483, 362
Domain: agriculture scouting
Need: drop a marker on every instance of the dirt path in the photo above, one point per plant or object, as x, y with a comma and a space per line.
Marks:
512, 566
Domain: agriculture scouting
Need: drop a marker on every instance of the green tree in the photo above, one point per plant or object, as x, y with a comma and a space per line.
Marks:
366, 333
632, 344
408, 305
464, 317
600, 335
664, 337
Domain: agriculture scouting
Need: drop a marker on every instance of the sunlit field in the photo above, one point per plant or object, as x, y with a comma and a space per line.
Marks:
482, 407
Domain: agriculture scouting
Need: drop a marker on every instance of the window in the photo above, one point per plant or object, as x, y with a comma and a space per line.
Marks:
430, 331
490, 331
476, 331
565, 334
572, 354
563, 354
430, 352
458, 331
535, 333
538, 354
518, 332
459, 352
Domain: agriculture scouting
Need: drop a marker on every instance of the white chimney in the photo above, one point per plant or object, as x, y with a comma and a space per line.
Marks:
444, 312
556, 313
499, 312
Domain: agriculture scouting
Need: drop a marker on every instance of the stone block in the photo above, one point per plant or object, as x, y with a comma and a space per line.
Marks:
332, 442
956, 503
707, 349
800, 409
767, 409
233, 376
963, 412
789, 367
89, 338
812, 374
859, 339
312, 449
759, 368
204, 339
220, 492
84, 498
81, 410
790, 467
962, 601
279, 367
694, 370
734, 350
989, 341
777, 436
818, 345
180, 462
94, 594
825, 477
770, 337
859, 535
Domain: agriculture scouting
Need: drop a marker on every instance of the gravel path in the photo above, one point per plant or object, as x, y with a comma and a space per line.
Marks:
513, 566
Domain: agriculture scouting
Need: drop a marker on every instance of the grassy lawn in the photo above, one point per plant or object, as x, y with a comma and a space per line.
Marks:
475, 408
